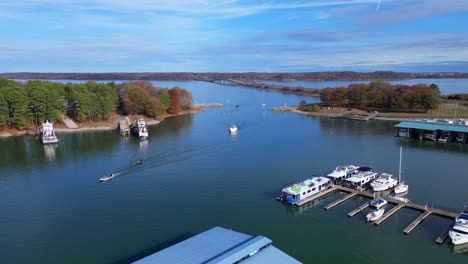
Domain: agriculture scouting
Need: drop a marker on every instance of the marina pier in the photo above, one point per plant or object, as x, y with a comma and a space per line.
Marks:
426, 211
444, 131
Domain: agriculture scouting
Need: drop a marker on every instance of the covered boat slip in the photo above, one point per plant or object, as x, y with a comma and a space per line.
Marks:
433, 131
220, 245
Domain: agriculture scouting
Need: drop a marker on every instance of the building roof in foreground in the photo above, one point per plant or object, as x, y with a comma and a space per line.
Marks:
425, 125
220, 245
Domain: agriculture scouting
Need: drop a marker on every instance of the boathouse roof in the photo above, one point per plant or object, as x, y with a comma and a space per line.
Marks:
220, 245
425, 125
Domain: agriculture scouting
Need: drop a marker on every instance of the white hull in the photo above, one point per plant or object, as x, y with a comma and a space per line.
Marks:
457, 238
383, 187
233, 129
379, 204
384, 182
375, 215
400, 188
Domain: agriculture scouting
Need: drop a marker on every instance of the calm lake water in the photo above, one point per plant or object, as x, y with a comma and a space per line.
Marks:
197, 176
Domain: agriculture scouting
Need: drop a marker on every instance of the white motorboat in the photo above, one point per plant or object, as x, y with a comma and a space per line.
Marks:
401, 199
378, 203
384, 182
341, 172
361, 177
459, 232
302, 190
375, 214
47, 133
108, 177
401, 187
233, 129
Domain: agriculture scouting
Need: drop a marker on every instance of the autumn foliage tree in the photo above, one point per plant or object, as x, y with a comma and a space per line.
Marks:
175, 107
382, 95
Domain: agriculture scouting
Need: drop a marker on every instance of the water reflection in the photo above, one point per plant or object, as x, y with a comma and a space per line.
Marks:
49, 151
459, 249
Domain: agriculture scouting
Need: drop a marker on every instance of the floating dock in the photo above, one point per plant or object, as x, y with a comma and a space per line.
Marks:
426, 211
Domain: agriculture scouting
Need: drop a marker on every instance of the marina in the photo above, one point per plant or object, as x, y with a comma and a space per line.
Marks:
434, 130
398, 205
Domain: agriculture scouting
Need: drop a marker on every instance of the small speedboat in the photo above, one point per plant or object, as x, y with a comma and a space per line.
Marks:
375, 214
233, 129
108, 177
459, 232
401, 199
378, 203
137, 162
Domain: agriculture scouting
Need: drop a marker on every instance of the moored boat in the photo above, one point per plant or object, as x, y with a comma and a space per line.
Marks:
361, 177
302, 190
341, 172
459, 232
47, 133
401, 187
375, 214
378, 203
140, 129
384, 182
398, 198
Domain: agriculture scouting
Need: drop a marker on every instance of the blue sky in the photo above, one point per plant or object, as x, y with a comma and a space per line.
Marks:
233, 36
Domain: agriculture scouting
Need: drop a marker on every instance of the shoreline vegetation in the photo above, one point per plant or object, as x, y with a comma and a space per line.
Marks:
24, 106
243, 77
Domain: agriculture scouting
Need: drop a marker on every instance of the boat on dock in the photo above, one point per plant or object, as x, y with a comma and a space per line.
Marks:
401, 187
341, 172
375, 214
140, 129
108, 177
299, 191
459, 232
384, 182
361, 177
47, 133
399, 198
233, 129
378, 203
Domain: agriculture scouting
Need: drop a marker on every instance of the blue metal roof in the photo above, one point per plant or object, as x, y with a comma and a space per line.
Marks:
220, 245
433, 126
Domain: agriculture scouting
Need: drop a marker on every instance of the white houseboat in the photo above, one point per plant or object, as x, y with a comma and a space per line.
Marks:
361, 177
459, 232
308, 187
341, 172
47, 133
140, 129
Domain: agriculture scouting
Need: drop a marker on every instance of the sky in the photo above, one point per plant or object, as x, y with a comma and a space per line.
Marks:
233, 35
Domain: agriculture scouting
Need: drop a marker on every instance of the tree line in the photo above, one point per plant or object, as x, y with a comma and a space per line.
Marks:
380, 95
31, 102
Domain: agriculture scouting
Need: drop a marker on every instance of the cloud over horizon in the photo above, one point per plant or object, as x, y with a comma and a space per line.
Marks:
230, 35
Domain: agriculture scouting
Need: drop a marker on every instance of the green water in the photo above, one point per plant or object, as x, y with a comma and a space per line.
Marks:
197, 176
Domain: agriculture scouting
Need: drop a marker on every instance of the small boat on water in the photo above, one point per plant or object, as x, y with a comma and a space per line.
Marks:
137, 162
108, 177
378, 203
401, 187
341, 172
302, 190
233, 129
459, 232
375, 214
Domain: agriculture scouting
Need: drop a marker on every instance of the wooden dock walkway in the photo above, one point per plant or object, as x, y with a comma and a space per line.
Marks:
337, 202
389, 213
313, 197
416, 222
444, 234
358, 210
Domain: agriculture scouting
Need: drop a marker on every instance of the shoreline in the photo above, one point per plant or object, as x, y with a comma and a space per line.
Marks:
150, 122
340, 111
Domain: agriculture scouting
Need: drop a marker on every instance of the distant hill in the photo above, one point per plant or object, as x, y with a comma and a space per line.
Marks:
245, 76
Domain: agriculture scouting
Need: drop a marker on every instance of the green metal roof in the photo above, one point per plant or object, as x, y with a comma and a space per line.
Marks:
433, 126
